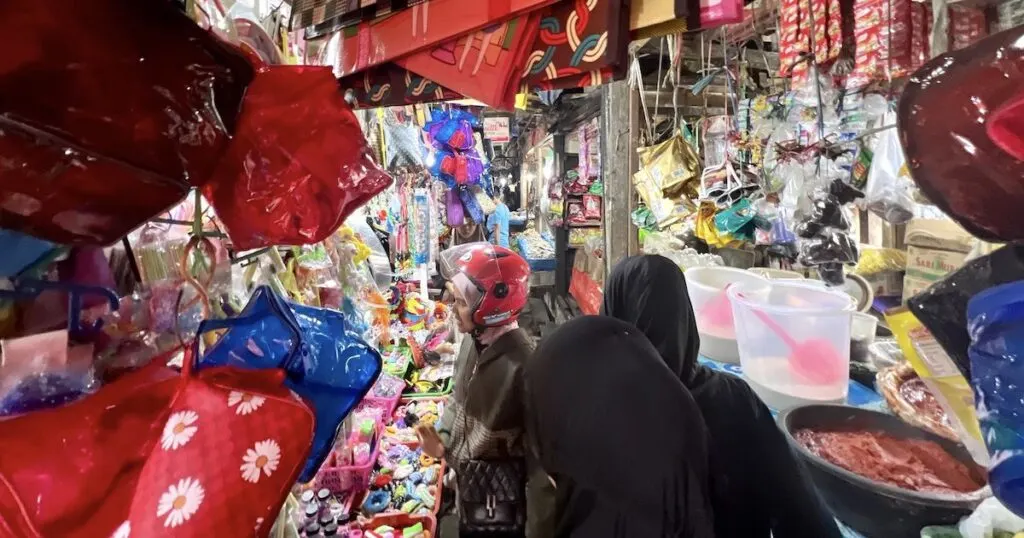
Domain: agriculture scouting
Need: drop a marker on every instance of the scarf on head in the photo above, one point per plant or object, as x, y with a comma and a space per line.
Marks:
650, 293
472, 295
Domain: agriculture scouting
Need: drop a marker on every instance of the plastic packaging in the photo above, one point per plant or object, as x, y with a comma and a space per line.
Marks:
995, 321
21, 252
73, 148
315, 167
40, 372
941, 376
988, 518
325, 362
942, 308
889, 192
946, 136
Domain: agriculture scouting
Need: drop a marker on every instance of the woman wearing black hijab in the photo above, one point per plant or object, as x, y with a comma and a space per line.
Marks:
758, 488
622, 440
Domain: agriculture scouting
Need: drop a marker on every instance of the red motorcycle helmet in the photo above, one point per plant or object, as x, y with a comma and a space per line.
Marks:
502, 277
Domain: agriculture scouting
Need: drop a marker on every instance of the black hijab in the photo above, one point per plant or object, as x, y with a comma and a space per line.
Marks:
623, 439
649, 292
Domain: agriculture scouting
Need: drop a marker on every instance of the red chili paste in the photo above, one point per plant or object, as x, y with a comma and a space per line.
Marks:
913, 464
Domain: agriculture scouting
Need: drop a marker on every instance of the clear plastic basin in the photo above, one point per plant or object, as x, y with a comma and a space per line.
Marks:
713, 313
794, 342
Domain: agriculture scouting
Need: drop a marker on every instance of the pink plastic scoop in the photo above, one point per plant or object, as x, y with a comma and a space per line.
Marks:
815, 360
717, 313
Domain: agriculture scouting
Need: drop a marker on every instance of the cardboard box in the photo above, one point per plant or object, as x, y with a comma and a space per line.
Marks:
886, 283
912, 286
932, 264
940, 234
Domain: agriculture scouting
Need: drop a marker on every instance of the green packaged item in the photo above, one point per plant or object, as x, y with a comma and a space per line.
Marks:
861, 165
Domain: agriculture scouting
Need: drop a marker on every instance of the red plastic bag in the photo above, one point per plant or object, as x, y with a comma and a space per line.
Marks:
960, 120
90, 467
715, 13
298, 165
109, 111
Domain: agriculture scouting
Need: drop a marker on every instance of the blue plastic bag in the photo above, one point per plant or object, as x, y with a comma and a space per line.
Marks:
995, 321
324, 360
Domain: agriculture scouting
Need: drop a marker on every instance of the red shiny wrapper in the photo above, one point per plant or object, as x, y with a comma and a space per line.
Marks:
298, 165
109, 112
960, 119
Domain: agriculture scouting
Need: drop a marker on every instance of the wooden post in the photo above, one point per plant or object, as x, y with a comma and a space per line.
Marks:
618, 147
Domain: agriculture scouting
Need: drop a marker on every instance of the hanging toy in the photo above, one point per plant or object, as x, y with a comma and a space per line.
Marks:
414, 314
394, 298
472, 206
453, 129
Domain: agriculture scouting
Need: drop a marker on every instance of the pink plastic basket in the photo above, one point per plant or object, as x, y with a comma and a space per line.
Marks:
343, 479
387, 402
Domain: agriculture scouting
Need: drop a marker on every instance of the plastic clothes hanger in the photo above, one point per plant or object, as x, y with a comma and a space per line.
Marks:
30, 288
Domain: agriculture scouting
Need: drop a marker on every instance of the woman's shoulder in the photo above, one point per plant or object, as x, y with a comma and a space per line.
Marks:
730, 397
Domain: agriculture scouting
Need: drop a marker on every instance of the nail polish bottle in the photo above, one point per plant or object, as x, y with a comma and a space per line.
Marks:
323, 494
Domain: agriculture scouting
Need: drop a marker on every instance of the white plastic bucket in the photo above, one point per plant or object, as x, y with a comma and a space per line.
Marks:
713, 313
817, 320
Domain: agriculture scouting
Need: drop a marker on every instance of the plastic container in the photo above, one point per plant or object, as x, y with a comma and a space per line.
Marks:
706, 286
862, 334
875, 509
389, 403
446, 389
347, 478
400, 521
794, 342
776, 274
396, 418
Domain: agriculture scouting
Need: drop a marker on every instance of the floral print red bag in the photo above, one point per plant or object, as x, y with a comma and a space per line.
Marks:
156, 453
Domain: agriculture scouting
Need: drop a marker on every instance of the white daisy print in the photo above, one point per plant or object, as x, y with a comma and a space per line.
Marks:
265, 457
180, 502
124, 531
179, 430
247, 403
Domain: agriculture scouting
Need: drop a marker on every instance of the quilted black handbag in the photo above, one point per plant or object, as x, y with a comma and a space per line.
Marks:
492, 498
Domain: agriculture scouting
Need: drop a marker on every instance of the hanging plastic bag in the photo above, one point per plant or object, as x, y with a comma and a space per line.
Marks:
995, 321
962, 155
472, 206
452, 129
84, 164
889, 189
154, 448
325, 362
453, 208
942, 308
706, 230
298, 164
715, 13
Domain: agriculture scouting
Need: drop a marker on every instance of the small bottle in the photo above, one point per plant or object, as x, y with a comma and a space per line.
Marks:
313, 529
312, 510
326, 519
331, 530
308, 496
323, 495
